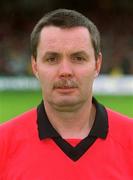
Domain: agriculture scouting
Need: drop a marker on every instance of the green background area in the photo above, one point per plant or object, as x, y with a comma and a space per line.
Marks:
13, 103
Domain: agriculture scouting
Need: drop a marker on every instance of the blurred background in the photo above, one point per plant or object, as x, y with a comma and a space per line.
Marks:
114, 19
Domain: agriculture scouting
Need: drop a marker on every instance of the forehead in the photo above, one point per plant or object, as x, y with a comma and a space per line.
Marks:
54, 37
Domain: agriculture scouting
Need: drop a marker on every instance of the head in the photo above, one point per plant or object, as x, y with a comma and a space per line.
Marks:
66, 58
65, 18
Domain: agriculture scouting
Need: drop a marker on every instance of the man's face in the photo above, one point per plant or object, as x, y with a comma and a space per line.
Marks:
65, 66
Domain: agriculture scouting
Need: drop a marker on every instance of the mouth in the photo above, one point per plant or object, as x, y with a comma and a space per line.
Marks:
65, 90
65, 86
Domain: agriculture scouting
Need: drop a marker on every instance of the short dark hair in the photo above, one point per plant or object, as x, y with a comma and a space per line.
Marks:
65, 18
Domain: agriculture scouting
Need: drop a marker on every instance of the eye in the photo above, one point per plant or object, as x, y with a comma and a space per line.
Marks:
78, 59
51, 60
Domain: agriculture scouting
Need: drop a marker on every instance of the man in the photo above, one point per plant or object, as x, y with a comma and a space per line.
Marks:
69, 135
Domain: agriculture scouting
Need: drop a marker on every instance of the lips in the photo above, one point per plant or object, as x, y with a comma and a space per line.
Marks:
65, 90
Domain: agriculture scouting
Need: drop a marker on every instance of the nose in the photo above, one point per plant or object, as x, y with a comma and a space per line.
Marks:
65, 69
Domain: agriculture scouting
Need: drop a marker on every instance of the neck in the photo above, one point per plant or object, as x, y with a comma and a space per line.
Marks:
72, 124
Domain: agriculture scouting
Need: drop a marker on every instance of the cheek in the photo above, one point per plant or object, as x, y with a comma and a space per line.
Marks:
46, 79
86, 79
86, 75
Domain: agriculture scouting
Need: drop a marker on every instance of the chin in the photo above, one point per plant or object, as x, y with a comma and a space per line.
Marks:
67, 100
65, 103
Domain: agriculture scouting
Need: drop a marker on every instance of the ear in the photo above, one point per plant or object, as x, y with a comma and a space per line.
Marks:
98, 64
34, 67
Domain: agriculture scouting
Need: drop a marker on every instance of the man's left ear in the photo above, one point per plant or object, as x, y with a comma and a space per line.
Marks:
98, 64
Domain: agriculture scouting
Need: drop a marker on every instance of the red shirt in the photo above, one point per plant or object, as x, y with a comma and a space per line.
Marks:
26, 154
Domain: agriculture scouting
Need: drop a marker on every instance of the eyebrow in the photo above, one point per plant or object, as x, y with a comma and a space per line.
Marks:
80, 53
52, 53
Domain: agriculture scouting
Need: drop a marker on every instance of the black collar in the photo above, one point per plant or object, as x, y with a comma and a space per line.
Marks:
99, 128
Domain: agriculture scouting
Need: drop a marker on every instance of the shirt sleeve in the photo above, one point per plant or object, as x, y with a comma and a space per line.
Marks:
3, 149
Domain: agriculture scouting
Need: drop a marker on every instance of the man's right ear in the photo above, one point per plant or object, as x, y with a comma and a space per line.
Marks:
34, 67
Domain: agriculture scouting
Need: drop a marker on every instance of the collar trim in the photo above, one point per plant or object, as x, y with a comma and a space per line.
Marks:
99, 128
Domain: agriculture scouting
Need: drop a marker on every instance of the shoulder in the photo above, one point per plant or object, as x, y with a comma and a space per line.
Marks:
19, 127
117, 120
120, 128
16, 132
